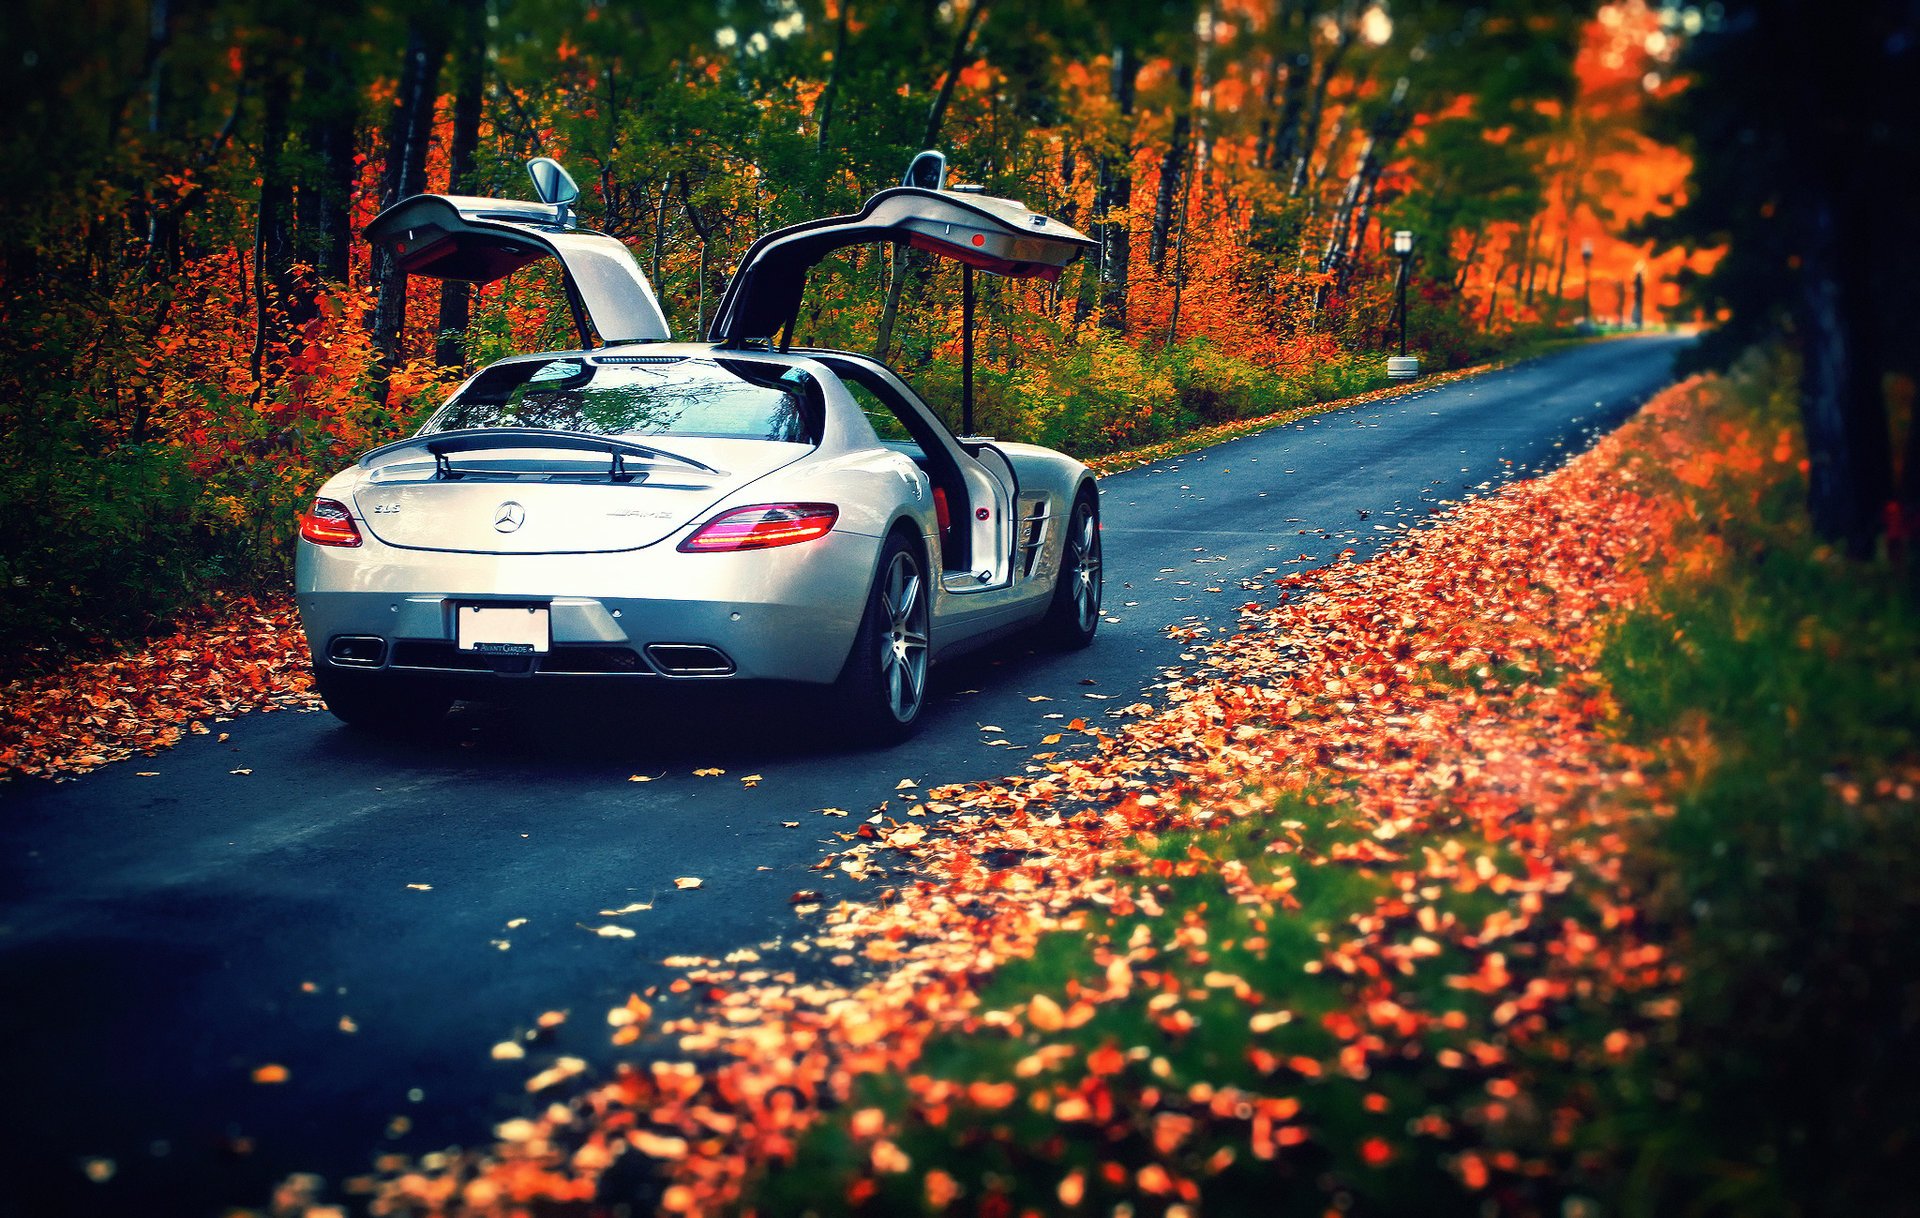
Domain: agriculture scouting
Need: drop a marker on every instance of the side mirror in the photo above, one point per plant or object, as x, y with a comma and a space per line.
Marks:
553, 184
927, 171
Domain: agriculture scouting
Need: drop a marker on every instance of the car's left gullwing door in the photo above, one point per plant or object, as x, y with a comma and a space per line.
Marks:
481, 240
998, 236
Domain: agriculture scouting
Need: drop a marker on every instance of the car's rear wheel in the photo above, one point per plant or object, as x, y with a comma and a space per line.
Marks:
382, 702
1074, 615
884, 684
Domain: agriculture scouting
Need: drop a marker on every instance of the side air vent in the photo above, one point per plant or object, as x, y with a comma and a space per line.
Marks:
689, 660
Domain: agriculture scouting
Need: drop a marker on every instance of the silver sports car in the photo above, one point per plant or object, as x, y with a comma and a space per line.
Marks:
643, 509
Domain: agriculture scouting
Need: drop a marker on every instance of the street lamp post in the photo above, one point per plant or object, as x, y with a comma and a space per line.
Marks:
1403, 367
1586, 282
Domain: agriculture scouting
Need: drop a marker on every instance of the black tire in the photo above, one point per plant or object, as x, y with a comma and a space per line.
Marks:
883, 686
381, 702
1074, 615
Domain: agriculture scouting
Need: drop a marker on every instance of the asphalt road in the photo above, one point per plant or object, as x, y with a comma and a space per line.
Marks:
374, 916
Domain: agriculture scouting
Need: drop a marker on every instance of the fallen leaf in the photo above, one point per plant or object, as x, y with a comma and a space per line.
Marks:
273, 1073
687, 881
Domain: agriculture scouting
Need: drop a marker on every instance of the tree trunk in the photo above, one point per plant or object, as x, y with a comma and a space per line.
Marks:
1560, 269
470, 63
1293, 99
409, 126
1116, 235
834, 74
705, 233
1529, 261
1172, 169
1356, 202
1310, 133
273, 226
329, 113
1842, 406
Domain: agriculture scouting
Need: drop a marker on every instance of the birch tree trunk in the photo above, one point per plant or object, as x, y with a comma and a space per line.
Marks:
1116, 234
409, 127
470, 61
1172, 169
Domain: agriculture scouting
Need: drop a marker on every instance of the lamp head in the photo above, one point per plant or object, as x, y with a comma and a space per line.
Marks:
1403, 242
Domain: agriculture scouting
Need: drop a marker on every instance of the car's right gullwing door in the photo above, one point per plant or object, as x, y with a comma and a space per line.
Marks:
998, 236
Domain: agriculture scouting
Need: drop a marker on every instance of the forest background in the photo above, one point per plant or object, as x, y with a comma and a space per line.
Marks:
196, 337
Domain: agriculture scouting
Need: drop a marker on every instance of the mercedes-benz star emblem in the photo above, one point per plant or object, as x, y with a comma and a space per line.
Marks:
509, 516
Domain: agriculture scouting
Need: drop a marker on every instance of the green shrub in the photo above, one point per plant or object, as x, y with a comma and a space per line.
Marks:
96, 542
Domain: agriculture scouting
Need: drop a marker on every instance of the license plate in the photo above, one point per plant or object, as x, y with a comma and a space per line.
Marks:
512, 630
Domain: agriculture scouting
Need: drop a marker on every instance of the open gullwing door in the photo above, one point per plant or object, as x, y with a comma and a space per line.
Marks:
998, 236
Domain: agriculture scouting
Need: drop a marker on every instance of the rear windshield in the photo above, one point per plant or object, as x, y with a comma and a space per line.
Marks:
719, 399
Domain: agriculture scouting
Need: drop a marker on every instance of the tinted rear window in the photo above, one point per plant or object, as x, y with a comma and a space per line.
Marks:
721, 399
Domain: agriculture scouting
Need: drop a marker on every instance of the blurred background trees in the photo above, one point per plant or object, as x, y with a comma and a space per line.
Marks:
1801, 116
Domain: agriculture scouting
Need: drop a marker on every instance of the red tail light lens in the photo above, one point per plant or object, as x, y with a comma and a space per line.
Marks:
763, 526
329, 523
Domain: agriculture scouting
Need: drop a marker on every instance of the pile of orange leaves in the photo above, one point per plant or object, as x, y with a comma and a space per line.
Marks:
1439, 704
242, 655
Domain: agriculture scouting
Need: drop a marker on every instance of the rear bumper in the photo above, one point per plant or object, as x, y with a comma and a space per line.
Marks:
786, 614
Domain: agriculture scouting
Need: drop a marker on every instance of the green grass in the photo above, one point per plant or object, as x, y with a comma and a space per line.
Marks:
1015, 1156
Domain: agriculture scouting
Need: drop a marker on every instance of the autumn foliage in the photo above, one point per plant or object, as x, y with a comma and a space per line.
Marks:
196, 335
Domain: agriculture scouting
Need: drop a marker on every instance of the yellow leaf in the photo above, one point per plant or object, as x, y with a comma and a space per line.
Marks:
687, 881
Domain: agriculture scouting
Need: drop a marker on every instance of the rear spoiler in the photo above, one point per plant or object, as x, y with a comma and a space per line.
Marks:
443, 445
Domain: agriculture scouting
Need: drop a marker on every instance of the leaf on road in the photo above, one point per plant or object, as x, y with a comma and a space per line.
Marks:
272, 1073
609, 931
687, 881
710, 772
636, 907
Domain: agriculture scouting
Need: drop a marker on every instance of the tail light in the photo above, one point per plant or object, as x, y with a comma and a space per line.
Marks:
329, 523
762, 526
